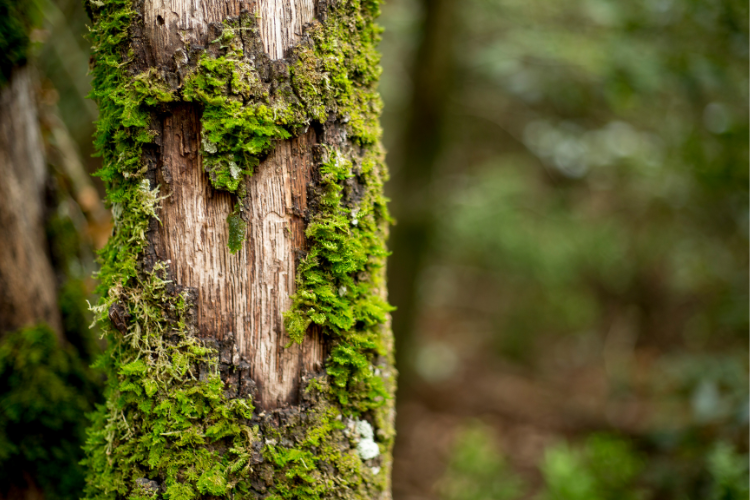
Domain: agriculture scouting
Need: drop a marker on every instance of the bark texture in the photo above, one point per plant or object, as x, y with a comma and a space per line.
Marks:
28, 292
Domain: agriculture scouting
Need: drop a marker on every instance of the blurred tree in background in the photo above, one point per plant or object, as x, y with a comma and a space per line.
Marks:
51, 220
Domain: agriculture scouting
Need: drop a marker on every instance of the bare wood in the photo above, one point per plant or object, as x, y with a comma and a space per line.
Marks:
281, 23
240, 296
171, 23
27, 282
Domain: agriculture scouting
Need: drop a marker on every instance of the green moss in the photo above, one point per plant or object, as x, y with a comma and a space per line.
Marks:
166, 416
122, 131
323, 461
338, 73
339, 282
239, 123
237, 230
168, 428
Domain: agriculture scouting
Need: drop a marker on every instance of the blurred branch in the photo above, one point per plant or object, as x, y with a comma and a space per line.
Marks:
82, 188
64, 48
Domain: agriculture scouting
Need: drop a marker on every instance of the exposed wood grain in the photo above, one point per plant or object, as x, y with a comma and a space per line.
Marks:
281, 23
240, 296
27, 282
169, 24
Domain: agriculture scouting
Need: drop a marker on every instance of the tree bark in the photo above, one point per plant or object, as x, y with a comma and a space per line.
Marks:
240, 296
294, 321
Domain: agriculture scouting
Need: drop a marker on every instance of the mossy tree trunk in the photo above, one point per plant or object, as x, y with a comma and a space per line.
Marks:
243, 287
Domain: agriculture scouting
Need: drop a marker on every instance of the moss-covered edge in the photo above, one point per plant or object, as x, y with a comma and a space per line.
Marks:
168, 429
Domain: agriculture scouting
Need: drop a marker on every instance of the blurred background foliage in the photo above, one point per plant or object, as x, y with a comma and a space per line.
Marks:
46, 386
47, 391
570, 264
582, 285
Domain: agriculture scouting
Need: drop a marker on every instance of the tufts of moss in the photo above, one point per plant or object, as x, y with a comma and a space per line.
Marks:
166, 421
339, 282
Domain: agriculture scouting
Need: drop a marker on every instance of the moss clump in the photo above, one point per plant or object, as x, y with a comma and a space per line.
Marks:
45, 392
340, 280
239, 121
237, 229
336, 74
166, 418
122, 131
319, 458
170, 428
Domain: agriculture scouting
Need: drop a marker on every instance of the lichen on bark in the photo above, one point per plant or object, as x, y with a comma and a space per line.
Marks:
173, 427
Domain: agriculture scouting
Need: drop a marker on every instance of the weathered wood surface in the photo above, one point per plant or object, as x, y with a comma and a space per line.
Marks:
240, 296
171, 23
28, 292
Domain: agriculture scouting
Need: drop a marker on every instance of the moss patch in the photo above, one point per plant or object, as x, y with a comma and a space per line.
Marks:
340, 279
166, 419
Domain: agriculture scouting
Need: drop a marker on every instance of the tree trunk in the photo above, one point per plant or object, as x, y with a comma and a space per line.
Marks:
416, 161
243, 286
28, 290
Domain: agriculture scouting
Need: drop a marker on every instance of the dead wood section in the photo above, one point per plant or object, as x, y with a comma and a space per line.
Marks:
240, 297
